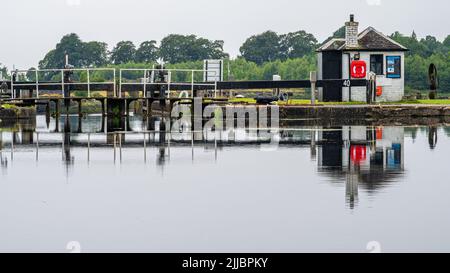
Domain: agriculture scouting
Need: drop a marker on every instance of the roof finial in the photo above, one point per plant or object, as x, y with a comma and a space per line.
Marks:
352, 18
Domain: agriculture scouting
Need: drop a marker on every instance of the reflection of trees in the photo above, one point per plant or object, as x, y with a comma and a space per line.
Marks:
447, 131
412, 131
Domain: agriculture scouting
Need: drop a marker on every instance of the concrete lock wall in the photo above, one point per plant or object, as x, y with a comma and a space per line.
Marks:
393, 89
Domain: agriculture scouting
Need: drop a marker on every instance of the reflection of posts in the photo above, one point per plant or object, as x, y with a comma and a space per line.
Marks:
432, 137
27, 137
67, 157
351, 186
313, 144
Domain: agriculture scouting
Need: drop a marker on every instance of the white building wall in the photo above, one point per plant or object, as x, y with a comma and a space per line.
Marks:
393, 89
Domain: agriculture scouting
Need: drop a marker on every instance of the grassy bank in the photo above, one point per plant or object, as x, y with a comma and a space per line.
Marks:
308, 102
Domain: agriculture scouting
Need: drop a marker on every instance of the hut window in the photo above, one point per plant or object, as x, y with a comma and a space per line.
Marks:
376, 64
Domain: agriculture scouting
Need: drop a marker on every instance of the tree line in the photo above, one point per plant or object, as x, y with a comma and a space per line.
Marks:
290, 55
173, 49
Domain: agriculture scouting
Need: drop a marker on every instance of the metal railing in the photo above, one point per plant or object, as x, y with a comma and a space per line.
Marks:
148, 79
36, 83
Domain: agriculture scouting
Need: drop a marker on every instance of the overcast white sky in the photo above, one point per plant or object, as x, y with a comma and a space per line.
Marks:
30, 28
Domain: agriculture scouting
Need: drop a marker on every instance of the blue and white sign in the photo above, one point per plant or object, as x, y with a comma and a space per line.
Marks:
393, 67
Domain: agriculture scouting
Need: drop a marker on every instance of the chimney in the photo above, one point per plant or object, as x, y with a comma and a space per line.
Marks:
351, 33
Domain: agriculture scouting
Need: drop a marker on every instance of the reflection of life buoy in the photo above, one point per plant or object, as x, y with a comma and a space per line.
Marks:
358, 153
379, 132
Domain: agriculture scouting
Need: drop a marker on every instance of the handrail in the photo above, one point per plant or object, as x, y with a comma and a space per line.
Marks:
169, 82
122, 81
36, 82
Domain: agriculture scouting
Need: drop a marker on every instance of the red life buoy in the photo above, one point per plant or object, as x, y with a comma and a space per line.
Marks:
358, 69
379, 91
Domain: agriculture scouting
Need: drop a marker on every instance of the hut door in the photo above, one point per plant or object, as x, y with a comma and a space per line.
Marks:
332, 70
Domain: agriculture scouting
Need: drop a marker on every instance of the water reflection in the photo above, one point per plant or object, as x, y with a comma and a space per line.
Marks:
366, 158
432, 137
363, 157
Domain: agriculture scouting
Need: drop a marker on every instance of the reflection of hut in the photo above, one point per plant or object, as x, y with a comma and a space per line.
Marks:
363, 157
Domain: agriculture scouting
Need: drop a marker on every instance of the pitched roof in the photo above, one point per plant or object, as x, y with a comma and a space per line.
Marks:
333, 44
369, 40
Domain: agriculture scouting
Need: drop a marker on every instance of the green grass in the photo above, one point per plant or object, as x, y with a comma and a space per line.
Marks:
427, 101
242, 100
434, 101
308, 102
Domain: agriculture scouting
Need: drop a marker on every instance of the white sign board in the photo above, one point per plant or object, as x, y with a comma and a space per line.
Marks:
213, 70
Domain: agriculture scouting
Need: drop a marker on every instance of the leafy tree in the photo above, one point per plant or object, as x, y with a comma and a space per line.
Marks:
339, 33
177, 48
3, 71
95, 54
425, 47
70, 44
446, 43
297, 44
80, 54
49, 60
147, 52
261, 48
124, 52
416, 72
31, 74
241, 69
269, 46
432, 45
214, 49
410, 42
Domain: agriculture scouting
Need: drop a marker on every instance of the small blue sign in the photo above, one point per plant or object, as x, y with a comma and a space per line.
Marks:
393, 67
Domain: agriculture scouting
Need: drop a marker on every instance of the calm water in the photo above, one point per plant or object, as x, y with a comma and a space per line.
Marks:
319, 189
